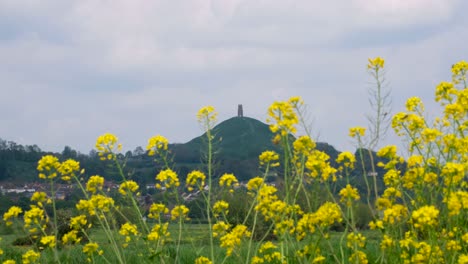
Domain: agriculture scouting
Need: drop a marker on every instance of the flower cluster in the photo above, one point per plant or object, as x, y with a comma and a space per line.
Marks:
195, 178
106, 146
167, 179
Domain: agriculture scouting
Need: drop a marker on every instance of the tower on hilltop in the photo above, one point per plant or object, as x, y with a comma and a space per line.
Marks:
240, 111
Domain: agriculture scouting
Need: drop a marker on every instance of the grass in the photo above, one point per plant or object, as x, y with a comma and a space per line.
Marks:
195, 242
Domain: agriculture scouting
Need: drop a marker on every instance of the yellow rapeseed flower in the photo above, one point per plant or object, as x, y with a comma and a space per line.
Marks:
357, 132
268, 157
356, 239
13, 212
128, 230
71, 237
48, 241
128, 187
68, 169
228, 180
77, 222
347, 158
207, 117
106, 146
254, 183
220, 207
414, 104
202, 260
179, 211
95, 183
156, 144
47, 167
233, 239
358, 257
91, 248
168, 178
348, 194
195, 178
425, 216
156, 210
30, 256
159, 232
282, 117
220, 228
376, 63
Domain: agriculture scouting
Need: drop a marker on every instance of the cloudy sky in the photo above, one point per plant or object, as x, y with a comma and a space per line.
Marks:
72, 70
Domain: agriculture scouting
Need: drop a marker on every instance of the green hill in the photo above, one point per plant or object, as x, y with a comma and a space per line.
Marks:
238, 142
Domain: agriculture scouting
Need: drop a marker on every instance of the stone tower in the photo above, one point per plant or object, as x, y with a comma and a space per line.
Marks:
240, 111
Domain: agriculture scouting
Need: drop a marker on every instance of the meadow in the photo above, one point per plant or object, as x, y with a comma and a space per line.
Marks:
420, 216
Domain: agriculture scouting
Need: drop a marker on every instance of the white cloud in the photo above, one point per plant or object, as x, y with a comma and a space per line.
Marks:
79, 68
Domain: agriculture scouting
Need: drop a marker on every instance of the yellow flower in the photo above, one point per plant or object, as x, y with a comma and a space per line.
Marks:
459, 71
430, 134
425, 216
304, 145
282, 116
233, 239
376, 63
254, 183
220, 228
347, 158
91, 248
68, 169
207, 117
356, 239
30, 256
71, 237
387, 242
377, 224
156, 144
267, 157
168, 178
48, 241
220, 207
349, 193
157, 209
77, 222
357, 132
47, 167
128, 229
9, 261
180, 211
33, 217
395, 213
457, 201
445, 91
159, 231
453, 173
94, 184
195, 178
39, 197
97, 201
388, 152
106, 145
203, 260
463, 259
358, 257
413, 104
13, 212
128, 187
228, 180
319, 166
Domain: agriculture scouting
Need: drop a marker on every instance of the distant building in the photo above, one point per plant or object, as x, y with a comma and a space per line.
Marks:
240, 111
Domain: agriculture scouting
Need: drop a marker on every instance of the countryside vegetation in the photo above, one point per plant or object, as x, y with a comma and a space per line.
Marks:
214, 200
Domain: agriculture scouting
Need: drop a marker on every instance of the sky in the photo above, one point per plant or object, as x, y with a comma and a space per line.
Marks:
73, 70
